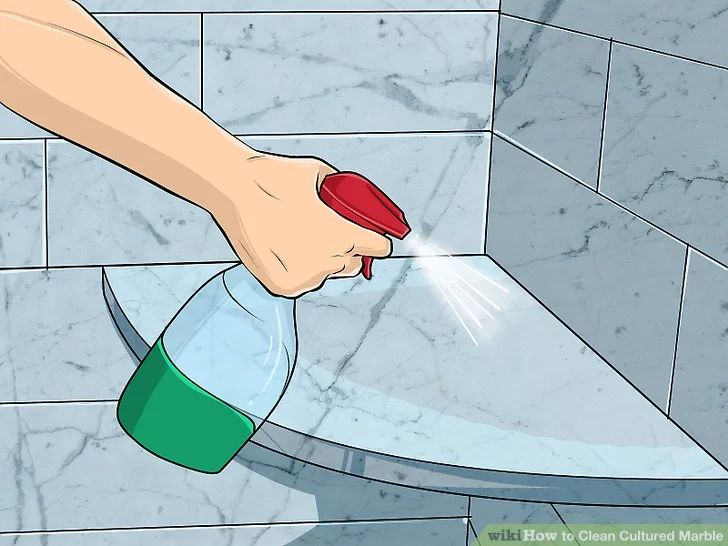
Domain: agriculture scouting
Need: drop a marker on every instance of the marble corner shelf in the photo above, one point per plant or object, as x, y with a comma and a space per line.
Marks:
388, 385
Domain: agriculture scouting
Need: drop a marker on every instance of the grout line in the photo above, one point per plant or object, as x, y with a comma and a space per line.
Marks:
616, 41
618, 372
677, 332
468, 524
297, 12
98, 14
109, 266
210, 262
551, 25
202, 62
44, 199
455, 132
541, 158
226, 526
492, 129
558, 514
475, 534
42, 403
604, 116
22, 140
585, 185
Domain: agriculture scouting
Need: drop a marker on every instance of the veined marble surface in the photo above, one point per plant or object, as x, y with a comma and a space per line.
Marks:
398, 374
212, 6
57, 341
700, 384
167, 45
21, 204
550, 94
101, 214
502, 513
70, 466
610, 515
445, 532
438, 180
609, 275
345, 72
664, 157
694, 29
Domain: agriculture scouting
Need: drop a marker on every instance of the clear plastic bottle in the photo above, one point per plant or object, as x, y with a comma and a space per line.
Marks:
214, 375
222, 364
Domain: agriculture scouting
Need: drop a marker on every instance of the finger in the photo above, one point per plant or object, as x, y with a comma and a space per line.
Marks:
325, 169
351, 269
369, 243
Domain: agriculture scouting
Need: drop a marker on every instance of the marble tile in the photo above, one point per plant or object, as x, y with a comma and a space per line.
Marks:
341, 497
613, 278
621, 515
71, 467
211, 6
485, 512
690, 29
14, 126
167, 45
58, 341
342, 73
438, 180
699, 396
430, 533
99, 213
385, 367
21, 204
550, 94
663, 157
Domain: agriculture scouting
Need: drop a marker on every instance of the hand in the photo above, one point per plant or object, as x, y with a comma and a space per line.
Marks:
282, 231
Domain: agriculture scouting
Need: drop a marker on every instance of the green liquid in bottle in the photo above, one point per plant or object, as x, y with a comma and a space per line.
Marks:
174, 418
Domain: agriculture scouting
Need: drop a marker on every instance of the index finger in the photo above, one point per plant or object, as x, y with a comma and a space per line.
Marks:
370, 243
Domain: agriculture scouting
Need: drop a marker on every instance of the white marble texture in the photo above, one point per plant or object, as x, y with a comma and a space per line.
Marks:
694, 29
72, 467
57, 340
550, 94
620, 515
21, 204
530, 397
700, 385
501, 514
14, 126
99, 213
438, 179
612, 277
167, 45
448, 532
344, 72
664, 157
211, 6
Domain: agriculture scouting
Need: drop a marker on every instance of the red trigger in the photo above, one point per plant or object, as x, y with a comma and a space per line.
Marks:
358, 200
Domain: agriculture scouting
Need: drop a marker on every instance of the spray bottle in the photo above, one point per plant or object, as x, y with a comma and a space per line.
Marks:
223, 362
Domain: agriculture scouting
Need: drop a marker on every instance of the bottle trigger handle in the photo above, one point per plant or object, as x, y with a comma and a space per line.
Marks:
359, 200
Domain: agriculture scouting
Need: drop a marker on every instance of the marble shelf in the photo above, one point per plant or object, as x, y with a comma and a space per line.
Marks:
389, 385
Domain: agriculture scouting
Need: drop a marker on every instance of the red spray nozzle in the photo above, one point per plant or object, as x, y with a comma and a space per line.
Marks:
358, 200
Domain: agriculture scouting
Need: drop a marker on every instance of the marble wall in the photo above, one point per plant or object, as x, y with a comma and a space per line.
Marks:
608, 187
400, 95
395, 89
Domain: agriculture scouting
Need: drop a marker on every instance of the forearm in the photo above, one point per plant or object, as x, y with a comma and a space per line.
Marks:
62, 70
